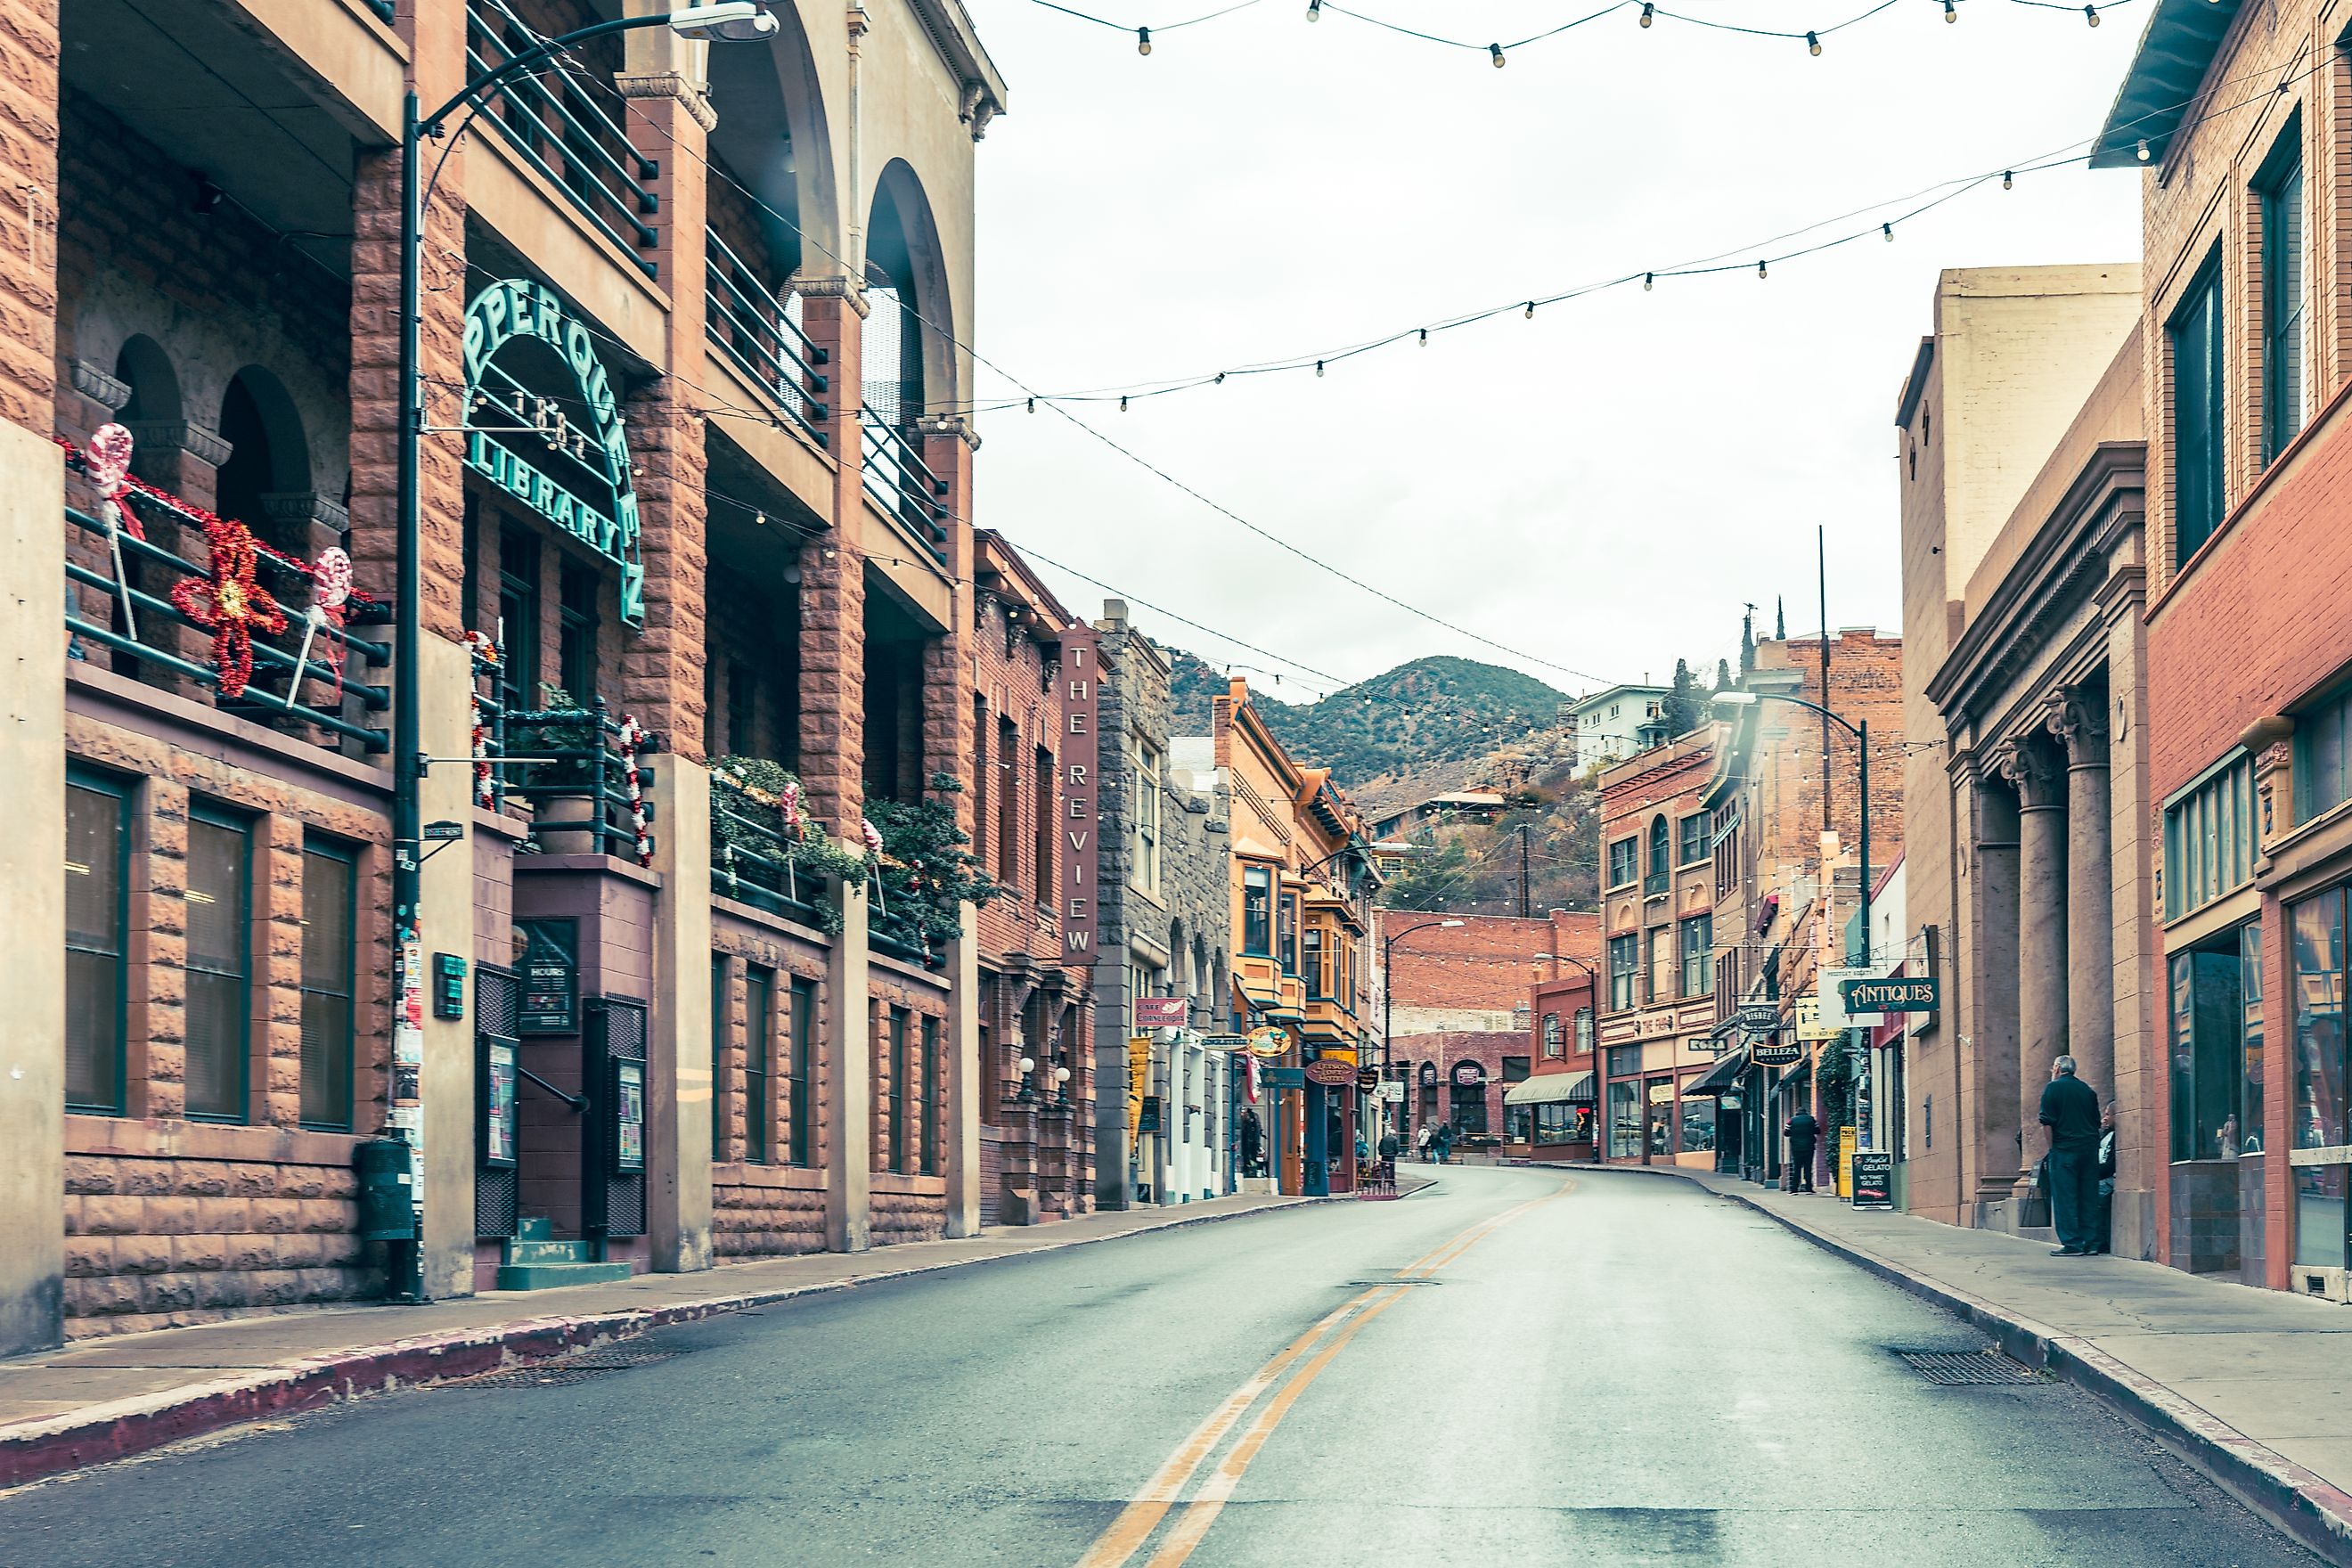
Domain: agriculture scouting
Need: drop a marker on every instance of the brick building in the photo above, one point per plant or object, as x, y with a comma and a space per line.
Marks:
1036, 1004
1552, 1113
1453, 991
1164, 927
1782, 889
2242, 833
692, 490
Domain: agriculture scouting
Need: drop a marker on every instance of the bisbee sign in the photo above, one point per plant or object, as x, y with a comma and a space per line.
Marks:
543, 422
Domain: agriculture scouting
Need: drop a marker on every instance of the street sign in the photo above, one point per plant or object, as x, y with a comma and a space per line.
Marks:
1329, 1072
1223, 1042
1914, 994
1759, 1018
1391, 1094
1285, 1077
1160, 1012
1873, 1179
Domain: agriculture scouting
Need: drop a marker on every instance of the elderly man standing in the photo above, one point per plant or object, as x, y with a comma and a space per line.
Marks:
2070, 1109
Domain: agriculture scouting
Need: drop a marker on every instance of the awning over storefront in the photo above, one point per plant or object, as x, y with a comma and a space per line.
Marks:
1551, 1088
1720, 1079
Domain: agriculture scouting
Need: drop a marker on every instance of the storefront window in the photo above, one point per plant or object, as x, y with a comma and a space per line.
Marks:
2318, 926
1698, 1126
1624, 1119
1518, 1122
1559, 1123
2208, 1063
2319, 1217
1661, 1117
1469, 1107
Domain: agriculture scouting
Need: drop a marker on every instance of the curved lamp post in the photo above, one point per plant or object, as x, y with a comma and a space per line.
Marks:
729, 21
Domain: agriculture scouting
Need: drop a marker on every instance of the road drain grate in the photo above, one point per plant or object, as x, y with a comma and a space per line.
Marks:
576, 1368
1971, 1369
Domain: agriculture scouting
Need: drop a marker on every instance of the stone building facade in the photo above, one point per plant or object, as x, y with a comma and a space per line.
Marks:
1165, 928
694, 488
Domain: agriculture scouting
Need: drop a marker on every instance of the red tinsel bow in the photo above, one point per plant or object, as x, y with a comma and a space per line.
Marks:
230, 603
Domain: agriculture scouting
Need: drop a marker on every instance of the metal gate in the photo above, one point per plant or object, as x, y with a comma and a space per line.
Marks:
613, 1152
498, 995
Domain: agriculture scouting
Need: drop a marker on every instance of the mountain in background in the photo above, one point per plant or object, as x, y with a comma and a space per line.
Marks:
1415, 731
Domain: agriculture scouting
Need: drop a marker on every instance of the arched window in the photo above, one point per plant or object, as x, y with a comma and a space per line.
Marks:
1662, 854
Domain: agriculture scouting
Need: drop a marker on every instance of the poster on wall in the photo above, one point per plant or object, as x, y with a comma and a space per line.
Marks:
628, 1117
547, 962
498, 1105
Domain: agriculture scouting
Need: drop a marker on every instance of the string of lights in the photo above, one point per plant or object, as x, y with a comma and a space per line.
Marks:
1498, 53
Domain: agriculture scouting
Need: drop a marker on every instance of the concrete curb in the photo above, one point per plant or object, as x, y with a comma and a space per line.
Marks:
119, 1429
2311, 1509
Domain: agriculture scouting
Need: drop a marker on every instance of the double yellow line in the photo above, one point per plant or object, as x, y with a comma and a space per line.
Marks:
1137, 1523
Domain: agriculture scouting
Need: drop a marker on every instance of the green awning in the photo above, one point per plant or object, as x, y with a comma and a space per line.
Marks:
1551, 1088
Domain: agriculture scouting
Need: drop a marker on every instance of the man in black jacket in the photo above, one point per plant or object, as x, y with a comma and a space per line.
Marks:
1803, 1132
2071, 1110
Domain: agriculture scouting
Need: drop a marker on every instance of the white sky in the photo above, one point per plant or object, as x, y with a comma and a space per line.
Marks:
1602, 487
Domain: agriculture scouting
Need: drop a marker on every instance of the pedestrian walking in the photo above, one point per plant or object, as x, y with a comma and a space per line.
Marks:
1253, 1140
1421, 1141
1443, 1143
2071, 1110
1802, 1132
2103, 1229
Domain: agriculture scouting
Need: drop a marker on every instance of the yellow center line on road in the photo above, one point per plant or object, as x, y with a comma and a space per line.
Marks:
1141, 1517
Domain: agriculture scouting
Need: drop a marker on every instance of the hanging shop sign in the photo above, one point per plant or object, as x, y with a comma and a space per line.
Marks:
542, 422
1330, 1071
1836, 1015
1081, 764
1268, 1041
1772, 1051
1469, 1075
1391, 1093
1160, 1012
1914, 994
1138, 1074
1223, 1042
1759, 1018
1806, 1013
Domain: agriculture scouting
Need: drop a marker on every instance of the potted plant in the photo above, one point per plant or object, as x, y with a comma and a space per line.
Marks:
758, 810
923, 870
564, 790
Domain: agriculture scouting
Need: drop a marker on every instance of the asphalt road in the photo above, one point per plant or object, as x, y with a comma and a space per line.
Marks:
1612, 1369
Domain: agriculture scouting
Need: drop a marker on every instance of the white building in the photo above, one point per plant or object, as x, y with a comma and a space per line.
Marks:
1609, 726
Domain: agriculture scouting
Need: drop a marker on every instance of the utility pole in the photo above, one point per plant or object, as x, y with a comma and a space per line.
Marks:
1524, 898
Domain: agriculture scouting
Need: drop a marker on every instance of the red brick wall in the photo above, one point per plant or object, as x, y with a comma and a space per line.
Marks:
1866, 687
1446, 1048
773, 1208
28, 161
1483, 963
1014, 686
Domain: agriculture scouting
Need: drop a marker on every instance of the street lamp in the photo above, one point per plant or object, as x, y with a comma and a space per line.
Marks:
1388, 987
729, 21
1861, 732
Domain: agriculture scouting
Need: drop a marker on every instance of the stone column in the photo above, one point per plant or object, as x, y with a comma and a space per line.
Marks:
2032, 765
962, 1050
847, 1062
2142, 1077
1984, 1010
2081, 722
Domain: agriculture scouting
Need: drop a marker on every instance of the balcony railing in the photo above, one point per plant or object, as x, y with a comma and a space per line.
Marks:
1657, 882
562, 131
751, 860
585, 779
763, 335
903, 485
288, 674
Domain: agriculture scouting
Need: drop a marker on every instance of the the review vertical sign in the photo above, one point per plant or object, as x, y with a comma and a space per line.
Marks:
1081, 762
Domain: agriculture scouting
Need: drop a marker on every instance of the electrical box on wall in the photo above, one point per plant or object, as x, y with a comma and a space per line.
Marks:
449, 985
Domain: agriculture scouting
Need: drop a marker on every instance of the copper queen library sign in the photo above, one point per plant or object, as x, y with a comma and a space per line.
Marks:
1081, 762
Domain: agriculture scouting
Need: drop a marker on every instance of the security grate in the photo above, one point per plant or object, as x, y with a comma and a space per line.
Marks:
570, 1369
1970, 1369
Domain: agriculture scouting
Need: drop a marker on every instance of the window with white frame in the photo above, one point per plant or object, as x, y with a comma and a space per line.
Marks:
1145, 872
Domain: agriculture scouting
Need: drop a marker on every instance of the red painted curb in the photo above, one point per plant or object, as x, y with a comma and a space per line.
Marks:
2306, 1507
121, 1429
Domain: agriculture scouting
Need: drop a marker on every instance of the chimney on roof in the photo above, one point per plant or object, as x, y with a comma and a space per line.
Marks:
1114, 613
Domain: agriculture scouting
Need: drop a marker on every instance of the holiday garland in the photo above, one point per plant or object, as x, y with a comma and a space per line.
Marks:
486, 656
230, 602
628, 741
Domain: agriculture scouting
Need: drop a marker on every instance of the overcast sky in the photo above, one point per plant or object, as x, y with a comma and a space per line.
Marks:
1602, 487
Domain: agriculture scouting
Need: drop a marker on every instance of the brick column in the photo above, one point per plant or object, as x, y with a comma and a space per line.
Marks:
833, 584
28, 170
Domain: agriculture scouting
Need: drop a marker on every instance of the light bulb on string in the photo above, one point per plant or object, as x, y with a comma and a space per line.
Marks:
1220, 378
1496, 51
1813, 44
2091, 14
1122, 402
1649, 281
1888, 230
1761, 272
1033, 405
1319, 367
2140, 151
1951, 12
1531, 310
1648, 11
1314, 10
2008, 180
1143, 40
1424, 337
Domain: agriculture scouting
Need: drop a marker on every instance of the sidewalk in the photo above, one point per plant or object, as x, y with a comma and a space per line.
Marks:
109, 1399
2253, 1387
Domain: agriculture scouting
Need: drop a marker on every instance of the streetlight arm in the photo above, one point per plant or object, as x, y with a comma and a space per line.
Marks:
1751, 696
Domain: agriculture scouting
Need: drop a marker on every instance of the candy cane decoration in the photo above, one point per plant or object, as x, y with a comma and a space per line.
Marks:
107, 462
330, 588
486, 794
629, 740
873, 836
